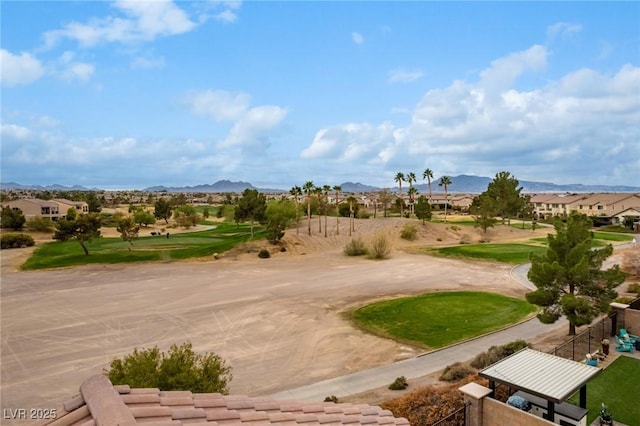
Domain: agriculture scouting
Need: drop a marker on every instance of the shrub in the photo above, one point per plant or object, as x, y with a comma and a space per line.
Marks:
10, 241
455, 228
400, 383
624, 299
409, 232
264, 254
179, 369
456, 371
634, 288
380, 247
465, 239
331, 398
496, 353
363, 214
355, 247
40, 224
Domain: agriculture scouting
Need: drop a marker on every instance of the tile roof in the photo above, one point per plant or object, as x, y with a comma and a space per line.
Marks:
102, 404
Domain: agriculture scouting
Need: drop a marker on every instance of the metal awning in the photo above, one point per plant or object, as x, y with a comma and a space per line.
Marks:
541, 374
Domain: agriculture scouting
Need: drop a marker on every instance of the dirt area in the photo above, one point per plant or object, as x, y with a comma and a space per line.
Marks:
279, 322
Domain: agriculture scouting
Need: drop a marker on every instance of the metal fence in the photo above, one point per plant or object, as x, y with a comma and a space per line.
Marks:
457, 418
587, 341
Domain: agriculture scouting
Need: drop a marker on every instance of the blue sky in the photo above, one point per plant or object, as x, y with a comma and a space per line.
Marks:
129, 94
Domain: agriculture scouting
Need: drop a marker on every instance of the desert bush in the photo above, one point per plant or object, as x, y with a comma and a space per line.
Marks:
465, 239
400, 383
633, 288
264, 254
331, 398
624, 299
10, 241
409, 232
355, 247
380, 247
456, 371
39, 224
496, 353
455, 228
363, 214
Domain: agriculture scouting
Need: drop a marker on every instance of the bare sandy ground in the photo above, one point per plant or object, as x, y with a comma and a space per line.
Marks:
279, 322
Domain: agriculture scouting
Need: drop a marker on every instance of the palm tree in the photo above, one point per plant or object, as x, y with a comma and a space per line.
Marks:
399, 178
445, 181
308, 189
318, 191
326, 189
428, 174
411, 177
412, 192
352, 226
296, 191
337, 188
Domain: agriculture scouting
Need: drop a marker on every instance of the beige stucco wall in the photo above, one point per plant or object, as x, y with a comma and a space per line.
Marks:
496, 413
632, 321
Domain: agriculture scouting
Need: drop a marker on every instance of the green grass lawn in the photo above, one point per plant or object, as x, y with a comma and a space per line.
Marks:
435, 320
618, 386
145, 249
507, 253
609, 236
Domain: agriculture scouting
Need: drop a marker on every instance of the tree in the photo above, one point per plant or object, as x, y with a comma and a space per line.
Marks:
423, 209
279, 215
128, 229
326, 189
296, 191
505, 193
352, 201
72, 213
162, 209
445, 181
483, 210
428, 174
411, 178
399, 178
144, 218
569, 277
84, 228
318, 192
385, 198
308, 189
337, 189
94, 203
252, 206
12, 219
179, 369
186, 216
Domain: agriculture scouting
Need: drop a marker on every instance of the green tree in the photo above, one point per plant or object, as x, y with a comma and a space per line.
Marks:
94, 203
325, 208
205, 213
308, 190
505, 194
279, 215
12, 219
411, 178
144, 218
162, 210
128, 229
569, 277
179, 199
296, 191
400, 178
428, 174
482, 209
179, 369
337, 189
423, 209
385, 198
84, 228
186, 216
445, 181
251, 206
72, 213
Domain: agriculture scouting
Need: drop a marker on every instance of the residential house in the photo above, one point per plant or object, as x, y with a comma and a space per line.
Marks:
33, 207
64, 205
607, 205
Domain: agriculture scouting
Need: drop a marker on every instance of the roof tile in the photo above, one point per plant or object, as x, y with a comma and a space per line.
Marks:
157, 411
189, 413
221, 414
141, 398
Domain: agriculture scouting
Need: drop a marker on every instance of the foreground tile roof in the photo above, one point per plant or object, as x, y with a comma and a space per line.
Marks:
102, 404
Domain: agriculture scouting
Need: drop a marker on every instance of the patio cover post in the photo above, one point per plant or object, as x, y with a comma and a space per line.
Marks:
551, 411
583, 396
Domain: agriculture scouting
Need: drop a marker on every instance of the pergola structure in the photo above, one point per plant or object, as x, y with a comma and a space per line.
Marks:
549, 377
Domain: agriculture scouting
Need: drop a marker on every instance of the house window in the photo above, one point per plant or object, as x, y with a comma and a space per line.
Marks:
600, 207
555, 206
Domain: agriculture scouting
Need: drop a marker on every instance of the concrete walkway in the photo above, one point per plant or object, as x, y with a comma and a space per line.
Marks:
431, 362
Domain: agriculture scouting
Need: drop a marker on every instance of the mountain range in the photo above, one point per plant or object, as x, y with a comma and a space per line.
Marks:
459, 184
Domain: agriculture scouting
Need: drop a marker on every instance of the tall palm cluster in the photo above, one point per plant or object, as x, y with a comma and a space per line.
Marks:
410, 178
321, 194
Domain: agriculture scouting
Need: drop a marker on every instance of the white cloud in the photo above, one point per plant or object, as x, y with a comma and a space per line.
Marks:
20, 69
69, 69
142, 21
401, 75
219, 105
357, 38
504, 71
563, 29
146, 62
255, 127
227, 16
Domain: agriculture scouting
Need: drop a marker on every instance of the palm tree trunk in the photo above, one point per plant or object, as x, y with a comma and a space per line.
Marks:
309, 216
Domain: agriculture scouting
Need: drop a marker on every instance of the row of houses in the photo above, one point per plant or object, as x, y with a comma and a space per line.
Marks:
52, 209
615, 207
